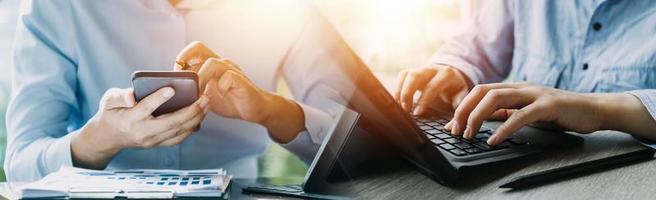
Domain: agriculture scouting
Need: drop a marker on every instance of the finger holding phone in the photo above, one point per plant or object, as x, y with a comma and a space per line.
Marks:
122, 123
231, 94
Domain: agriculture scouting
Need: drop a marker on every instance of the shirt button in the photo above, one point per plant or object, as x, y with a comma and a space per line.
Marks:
596, 26
585, 66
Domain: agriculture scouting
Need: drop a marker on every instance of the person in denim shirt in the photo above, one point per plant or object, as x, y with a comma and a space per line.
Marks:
582, 65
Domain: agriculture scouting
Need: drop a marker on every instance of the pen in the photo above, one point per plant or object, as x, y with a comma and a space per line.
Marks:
580, 169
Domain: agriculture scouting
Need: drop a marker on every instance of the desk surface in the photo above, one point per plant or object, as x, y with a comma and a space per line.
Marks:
636, 181
630, 182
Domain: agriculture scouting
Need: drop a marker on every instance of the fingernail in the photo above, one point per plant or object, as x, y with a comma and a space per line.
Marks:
203, 102
448, 125
492, 140
454, 130
193, 62
168, 92
418, 110
467, 133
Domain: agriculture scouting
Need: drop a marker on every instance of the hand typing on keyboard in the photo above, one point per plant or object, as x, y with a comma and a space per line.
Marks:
441, 86
458, 146
522, 103
444, 90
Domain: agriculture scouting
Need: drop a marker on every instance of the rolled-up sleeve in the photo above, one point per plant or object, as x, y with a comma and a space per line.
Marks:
317, 123
648, 99
312, 69
483, 51
44, 95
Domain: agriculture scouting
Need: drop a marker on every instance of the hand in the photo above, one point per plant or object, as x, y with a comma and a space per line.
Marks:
442, 88
192, 58
522, 103
122, 123
233, 95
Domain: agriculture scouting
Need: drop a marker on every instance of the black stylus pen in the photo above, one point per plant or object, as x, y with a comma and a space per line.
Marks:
543, 177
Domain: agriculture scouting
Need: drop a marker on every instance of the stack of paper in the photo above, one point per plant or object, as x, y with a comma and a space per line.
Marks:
81, 183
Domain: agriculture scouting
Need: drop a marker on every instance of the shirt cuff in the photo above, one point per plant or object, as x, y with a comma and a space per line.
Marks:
648, 99
465, 67
58, 153
306, 144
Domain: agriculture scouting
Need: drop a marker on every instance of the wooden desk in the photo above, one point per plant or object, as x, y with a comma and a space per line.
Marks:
636, 181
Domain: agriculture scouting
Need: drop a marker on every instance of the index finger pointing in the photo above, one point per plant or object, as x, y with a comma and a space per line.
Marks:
526, 115
468, 104
193, 55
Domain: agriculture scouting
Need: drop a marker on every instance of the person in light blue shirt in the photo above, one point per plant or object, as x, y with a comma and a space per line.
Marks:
70, 58
585, 65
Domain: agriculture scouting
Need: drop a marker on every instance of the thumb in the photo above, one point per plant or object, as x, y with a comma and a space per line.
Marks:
117, 98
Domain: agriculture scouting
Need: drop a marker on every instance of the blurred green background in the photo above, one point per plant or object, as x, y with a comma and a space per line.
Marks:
8, 11
406, 34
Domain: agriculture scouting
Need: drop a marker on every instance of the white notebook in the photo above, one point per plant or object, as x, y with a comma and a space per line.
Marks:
82, 183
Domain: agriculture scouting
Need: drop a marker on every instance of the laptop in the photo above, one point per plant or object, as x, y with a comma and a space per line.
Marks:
425, 143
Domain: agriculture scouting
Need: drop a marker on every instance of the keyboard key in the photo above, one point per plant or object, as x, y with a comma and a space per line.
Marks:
473, 150
463, 145
425, 127
433, 131
517, 141
482, 145
468, 141
484, 129
439, 127
458, 152
433, 124
482, 136
437, 141
451, 140
442, 121
430, 136
447, 146
443, 136
502, 145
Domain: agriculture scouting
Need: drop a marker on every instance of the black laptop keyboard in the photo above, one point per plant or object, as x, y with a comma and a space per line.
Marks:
440, 137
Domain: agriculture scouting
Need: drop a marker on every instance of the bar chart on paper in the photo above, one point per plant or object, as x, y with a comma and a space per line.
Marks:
82, 183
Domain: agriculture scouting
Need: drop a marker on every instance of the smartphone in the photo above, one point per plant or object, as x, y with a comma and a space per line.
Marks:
185, 84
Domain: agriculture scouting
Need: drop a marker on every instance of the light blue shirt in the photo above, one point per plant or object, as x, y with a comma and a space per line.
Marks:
577, 45
68, 53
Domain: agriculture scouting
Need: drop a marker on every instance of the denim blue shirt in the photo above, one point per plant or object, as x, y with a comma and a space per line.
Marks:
577, 45
68, 53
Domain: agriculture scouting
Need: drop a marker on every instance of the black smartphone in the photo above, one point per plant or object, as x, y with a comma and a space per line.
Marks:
185, 84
